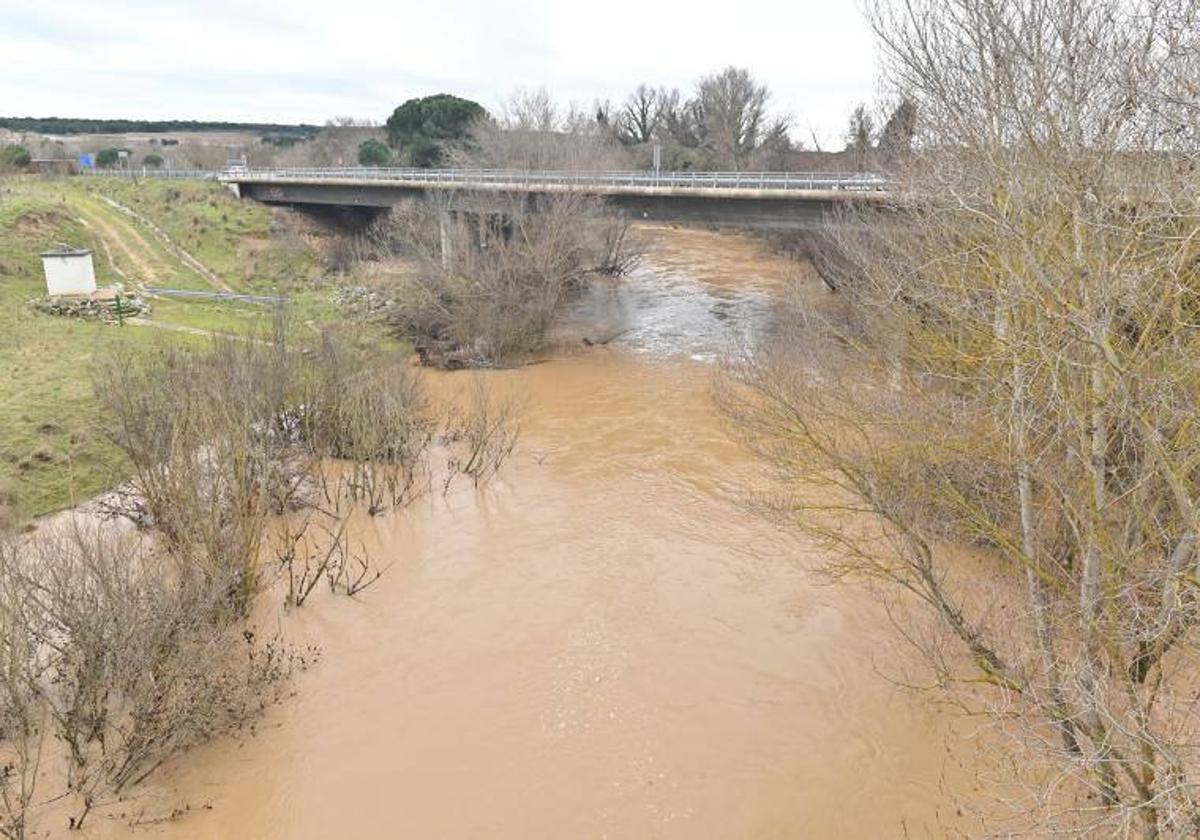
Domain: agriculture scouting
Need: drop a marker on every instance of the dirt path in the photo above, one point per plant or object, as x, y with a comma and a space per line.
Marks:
128, 243
108, 256
215, 280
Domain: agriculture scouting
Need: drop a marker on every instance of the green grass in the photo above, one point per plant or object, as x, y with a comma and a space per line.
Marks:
31, 224
239, 240
214, 316
51, 451
171, 273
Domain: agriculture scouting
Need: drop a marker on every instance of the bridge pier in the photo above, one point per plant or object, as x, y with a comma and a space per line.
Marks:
446, 244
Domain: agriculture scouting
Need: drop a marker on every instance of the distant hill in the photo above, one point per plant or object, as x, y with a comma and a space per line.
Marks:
74, 125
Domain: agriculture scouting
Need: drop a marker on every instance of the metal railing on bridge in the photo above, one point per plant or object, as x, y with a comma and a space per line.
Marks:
146, 172
581, 179
525, 179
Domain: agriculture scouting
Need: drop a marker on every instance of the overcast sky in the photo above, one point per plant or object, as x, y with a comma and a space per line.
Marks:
308, 60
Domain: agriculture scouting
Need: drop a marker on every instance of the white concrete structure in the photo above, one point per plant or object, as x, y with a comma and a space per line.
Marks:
69, 271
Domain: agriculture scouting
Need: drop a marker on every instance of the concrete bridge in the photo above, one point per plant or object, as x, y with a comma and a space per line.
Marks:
787, 200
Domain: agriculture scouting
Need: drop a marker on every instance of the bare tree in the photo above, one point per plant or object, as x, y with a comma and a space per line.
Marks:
642, 114
531, 110
733, 111
200, 432
679, 118
495, 268
682, 129
725, 125
1018, 377
579, 121
534, 132
775, 145
602, 108
24, 720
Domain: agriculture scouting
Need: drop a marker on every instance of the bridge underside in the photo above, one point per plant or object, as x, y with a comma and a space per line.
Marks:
787, 213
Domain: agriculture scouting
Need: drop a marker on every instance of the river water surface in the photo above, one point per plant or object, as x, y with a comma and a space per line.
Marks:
602, 643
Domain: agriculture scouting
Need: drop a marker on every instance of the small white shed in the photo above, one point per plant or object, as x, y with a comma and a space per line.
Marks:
69, 271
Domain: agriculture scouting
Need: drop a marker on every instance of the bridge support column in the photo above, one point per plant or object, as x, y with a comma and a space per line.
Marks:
447, 243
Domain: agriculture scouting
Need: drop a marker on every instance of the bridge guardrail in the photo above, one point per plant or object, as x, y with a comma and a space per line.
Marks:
186, 174
535, 178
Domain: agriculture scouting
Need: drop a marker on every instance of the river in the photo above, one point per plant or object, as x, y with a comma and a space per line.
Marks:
602, 643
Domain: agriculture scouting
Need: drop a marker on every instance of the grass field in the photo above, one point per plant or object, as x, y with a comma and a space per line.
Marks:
242, 242
52, 450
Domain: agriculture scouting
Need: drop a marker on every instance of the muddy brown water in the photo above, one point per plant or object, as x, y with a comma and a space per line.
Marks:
602, 643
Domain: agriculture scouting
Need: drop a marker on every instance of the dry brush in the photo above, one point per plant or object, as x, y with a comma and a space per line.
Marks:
1021, 378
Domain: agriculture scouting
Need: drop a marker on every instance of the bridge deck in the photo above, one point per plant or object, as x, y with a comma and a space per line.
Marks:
758, 199
787, 185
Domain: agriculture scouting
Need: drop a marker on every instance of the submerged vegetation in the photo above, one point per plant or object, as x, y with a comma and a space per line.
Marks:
492, 272
122, 649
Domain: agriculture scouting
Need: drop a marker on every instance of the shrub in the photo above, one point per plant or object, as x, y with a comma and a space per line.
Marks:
108, 158
14, 157
374, 153
495, 269
125, 657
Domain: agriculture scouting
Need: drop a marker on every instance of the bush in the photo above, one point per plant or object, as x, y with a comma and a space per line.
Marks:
368, 411
495, 270
108, 158
374, 153
199, 429
124, 657
222, 439
14, 157
152, 161
119, 651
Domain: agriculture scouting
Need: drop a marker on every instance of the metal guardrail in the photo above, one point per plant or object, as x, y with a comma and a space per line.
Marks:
145, 172
188, 293
536, 178
546, 178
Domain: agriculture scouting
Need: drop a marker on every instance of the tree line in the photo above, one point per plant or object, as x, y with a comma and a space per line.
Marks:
84, 125
724, 122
